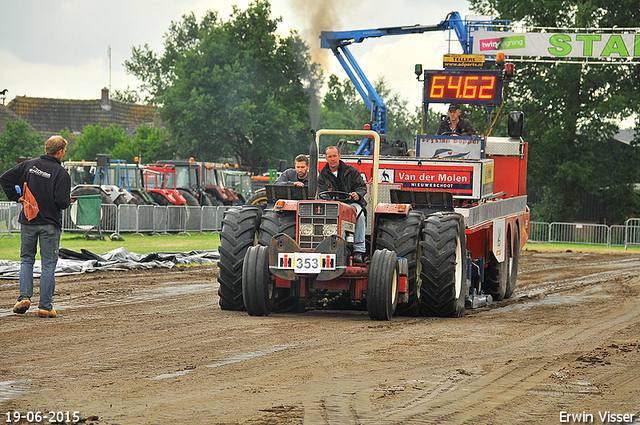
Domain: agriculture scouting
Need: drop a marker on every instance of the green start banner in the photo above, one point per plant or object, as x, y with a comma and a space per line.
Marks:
558, 45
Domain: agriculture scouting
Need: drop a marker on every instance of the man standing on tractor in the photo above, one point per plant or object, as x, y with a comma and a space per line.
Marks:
298, 176
338, 176
454, 125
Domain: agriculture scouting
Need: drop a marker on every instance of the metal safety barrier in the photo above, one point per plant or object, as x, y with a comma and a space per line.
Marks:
126, 218
586, 233
153, 219
539, 232
9, 213
150, 219
579, 233
632, 232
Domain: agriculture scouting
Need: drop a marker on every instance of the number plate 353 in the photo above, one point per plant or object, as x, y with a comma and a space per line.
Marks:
306, 262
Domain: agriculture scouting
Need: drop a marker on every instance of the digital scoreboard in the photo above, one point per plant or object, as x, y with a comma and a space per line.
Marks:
463, 86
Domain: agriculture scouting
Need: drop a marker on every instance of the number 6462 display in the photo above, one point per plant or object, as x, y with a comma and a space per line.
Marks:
451, 86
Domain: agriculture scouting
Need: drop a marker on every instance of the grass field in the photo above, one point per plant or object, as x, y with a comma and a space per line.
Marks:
580, 247
10, 247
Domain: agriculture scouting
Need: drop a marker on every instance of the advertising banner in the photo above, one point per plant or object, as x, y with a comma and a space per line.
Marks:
450, 147
464, 178
558, 45
458, 180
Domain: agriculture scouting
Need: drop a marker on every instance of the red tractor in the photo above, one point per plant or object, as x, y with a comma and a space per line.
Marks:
160, 183
430, 253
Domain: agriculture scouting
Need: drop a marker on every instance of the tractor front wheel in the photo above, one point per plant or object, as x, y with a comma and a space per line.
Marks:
382, 285
239, 232
497, 276
274, 222
401, 235
257, 285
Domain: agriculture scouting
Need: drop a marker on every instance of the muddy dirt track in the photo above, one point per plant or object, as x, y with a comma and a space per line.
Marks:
153, 347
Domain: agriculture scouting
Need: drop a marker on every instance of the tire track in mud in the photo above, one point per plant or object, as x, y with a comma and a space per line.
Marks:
502, 364
486, 397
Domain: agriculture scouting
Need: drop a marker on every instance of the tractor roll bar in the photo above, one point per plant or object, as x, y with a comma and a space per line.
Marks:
376, 153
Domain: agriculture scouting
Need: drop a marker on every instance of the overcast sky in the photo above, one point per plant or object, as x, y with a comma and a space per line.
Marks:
58, 48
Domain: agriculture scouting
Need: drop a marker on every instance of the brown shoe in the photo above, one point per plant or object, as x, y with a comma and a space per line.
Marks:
21, 307
47, 313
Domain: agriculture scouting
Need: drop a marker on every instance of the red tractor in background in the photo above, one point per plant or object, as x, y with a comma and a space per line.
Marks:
215, 185
160, 183
189, 182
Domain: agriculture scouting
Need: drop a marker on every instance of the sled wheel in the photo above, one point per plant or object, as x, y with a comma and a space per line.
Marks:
513, 251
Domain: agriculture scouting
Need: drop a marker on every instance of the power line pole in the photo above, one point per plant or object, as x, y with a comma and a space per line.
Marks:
109, 56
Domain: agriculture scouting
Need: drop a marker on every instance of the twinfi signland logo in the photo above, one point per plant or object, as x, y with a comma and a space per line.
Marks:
573, 45
502, 43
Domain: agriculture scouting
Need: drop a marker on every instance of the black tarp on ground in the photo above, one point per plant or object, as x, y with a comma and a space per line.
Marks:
73, 262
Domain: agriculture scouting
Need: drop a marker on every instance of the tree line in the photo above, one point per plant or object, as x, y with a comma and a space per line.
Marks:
236, 89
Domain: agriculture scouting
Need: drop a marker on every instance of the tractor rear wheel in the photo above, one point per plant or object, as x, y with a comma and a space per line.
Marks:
258, 198
444, 266
496, 276
159, 198
514, 255
92, 190
239, 232
274, 222
401, 234
214, 201
191, 200
382, 285
136, 200
120, 200
204, 199
257, 286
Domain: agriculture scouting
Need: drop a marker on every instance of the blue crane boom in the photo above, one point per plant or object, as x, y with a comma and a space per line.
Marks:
338, 41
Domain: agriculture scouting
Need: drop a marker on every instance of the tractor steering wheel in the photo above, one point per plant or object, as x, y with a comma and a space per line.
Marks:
449, 133
335, 195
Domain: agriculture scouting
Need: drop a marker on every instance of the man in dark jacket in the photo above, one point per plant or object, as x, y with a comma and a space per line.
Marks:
298, 176
45, 190
338, 176
456, 126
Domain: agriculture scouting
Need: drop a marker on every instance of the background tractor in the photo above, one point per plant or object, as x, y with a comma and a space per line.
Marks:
160, 183
188, 178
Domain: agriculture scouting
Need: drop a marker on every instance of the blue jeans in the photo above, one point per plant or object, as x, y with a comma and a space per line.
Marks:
49, 237
359, 244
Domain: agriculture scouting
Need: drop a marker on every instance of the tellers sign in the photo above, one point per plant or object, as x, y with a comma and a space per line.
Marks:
462, 86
